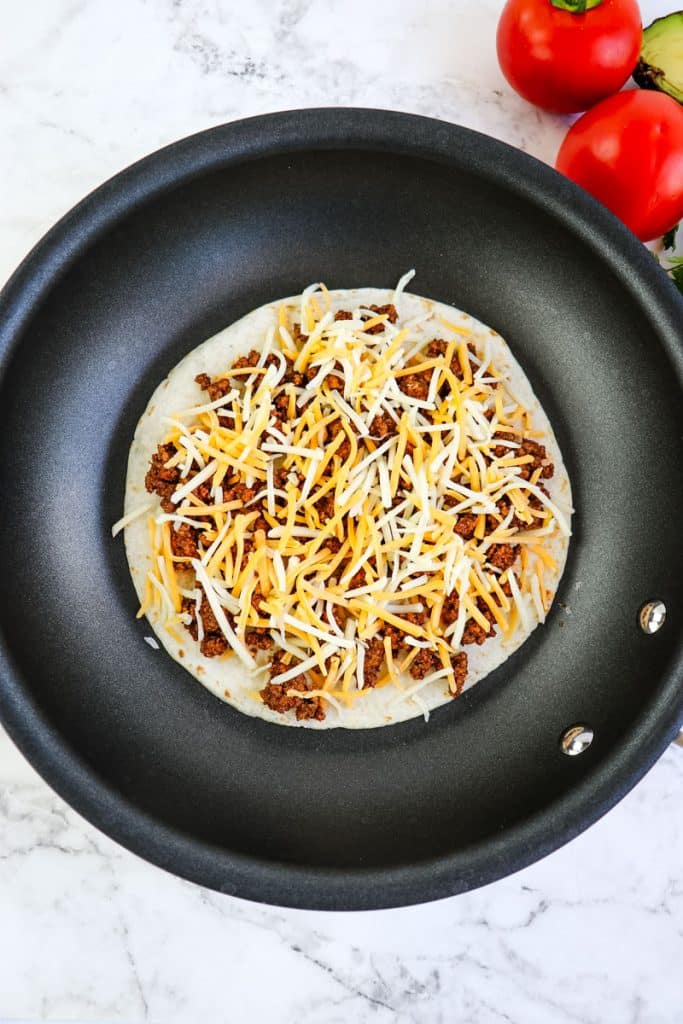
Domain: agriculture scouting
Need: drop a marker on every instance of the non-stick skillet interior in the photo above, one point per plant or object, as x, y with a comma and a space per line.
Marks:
173, 272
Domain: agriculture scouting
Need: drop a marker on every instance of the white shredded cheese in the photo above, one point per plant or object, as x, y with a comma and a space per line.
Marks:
393, 503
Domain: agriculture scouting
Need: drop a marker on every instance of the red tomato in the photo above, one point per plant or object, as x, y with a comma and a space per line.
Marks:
566, 62
628, 153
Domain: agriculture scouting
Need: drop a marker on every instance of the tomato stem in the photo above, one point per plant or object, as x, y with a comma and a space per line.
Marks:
576, 6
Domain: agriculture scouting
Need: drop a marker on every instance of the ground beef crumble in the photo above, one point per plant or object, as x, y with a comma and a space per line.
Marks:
391, 314
450, 609
162, 479
425, 661
258, 639
415, 385
374, 659
344, 449
501, 450
459, 663
238, 492
184, 544
325, 507
332, 380
244, 362
525, 446
465, 525
439, 347
540, 457
213, 642
275, 695
383, 426
502, 556
212, 646
474, 633
216, 389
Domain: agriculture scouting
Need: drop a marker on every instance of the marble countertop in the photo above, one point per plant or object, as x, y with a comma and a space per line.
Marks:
88, 932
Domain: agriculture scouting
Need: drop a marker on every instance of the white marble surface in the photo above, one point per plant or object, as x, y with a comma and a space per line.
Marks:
88, 932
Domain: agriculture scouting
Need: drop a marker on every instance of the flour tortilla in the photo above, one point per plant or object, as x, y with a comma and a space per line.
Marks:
225, 676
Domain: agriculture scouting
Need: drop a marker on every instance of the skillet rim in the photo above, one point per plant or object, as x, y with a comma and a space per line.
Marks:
296, 885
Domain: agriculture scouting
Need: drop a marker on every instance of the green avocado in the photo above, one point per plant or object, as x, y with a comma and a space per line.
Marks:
661, 56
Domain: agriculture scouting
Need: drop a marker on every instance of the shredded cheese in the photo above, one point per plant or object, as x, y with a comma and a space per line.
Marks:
369, 502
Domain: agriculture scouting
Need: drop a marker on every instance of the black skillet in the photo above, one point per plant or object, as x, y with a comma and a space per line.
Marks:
160, 258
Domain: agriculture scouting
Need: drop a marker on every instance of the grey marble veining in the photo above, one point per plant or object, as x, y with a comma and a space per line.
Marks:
89, 932
592, 934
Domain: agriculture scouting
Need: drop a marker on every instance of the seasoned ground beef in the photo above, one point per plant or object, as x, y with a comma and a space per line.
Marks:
343, 314
213, 642
465, 525
212, 646
397, 637
474, 633
344, 449
331, 381
439, 347
526, 447
238, 492
209, 621
292, 376
450, 608
161, 479
281, 404
325, 507
425, 662
417, 618
244, 362
486, 611
332, 544
217, 388
392, 317
374, 659
359, 579
415, 385
258, 639
275, 695
184, 544
501, 450
389, 309
515, 523
280, 478
459, 663
493, 522
383, 426
436, 348
502, 556
203, 492
540, 457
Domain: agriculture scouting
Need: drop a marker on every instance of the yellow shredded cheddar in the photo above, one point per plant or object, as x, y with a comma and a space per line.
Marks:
360, 527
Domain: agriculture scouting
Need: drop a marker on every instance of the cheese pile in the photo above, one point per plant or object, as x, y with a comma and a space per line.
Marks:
396, 500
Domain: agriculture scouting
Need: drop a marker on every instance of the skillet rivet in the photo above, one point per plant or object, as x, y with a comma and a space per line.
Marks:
576, 739
652, 616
